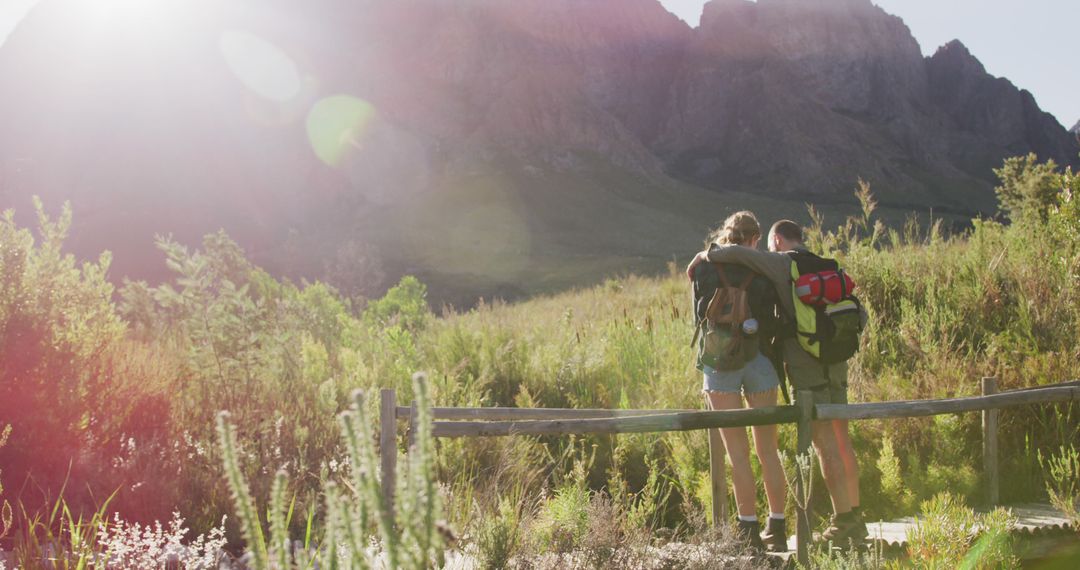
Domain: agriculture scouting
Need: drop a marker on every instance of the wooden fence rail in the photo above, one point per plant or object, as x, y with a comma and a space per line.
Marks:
656, 422
489, 422
916, 408
513, 414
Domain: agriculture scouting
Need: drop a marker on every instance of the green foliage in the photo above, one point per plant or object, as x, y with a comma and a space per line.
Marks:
251, 525
408, 535
71, 539
946, 308
255, 346
1063, 481
1028, 189
892, 479
823, 557
404, 305
498, 536
70, 381
563, 520
947, 532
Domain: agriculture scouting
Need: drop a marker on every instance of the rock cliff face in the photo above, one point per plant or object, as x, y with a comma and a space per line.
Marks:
140, 117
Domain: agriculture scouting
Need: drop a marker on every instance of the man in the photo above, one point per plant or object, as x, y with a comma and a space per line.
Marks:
827, 383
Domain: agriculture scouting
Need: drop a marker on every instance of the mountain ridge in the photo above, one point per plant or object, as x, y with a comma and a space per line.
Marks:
144, 125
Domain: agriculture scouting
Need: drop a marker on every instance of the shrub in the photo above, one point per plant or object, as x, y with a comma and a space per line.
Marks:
498, 536
947, 532
404, 305
563, 520
1028, 189
131, 546
408, 537
1062, 471
57, 537
70, 382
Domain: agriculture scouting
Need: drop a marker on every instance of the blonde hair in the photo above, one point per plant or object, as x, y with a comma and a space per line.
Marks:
740, 228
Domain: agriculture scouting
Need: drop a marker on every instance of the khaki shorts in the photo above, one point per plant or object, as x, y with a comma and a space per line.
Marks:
827, 385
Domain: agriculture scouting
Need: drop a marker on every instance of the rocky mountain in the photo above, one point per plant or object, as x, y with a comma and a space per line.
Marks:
1076, 128
493, 147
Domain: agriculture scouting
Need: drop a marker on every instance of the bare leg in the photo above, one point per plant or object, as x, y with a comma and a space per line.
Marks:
832, 466
772, 471
847, 456
738, 450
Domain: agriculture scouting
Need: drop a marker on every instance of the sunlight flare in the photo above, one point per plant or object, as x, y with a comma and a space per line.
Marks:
260, 65
337, 125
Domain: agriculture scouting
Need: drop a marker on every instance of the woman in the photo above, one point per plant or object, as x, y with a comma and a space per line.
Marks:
732, 356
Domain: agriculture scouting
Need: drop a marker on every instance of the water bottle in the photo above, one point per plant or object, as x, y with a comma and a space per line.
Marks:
749, 327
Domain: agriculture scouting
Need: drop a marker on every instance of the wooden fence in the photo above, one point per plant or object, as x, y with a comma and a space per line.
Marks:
488, 422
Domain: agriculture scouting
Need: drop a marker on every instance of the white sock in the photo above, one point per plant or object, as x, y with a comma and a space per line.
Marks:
778, 516
748, 518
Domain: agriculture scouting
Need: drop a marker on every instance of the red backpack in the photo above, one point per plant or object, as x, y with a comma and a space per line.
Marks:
824, 287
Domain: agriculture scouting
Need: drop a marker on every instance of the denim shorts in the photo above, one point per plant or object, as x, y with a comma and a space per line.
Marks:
757, 376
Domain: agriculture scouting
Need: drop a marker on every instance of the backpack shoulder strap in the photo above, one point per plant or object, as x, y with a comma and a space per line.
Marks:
809, 262
720, 269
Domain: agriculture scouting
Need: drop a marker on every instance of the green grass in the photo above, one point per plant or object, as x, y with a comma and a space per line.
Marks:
283, 360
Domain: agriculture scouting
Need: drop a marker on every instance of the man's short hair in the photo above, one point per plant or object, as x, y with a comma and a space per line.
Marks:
788, 230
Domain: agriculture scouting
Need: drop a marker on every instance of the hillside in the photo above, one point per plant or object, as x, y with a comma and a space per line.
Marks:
493, 148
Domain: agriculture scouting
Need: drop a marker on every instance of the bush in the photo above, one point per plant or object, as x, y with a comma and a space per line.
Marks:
1028, 189
563, 521
1062, 471
948, 532
58, 537
408, 537
70, 381
498, 536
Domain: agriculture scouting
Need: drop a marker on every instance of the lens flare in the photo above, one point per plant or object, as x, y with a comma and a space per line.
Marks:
260, 65
337, 125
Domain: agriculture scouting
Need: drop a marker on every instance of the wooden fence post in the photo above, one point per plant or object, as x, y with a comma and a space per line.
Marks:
804, 401
388, 446
718, 475
990, 444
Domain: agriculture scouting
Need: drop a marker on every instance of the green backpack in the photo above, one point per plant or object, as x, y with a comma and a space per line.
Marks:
830, 331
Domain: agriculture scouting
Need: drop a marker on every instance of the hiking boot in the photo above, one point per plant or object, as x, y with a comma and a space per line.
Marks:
859, 533
775, 536
748, 533
845, 529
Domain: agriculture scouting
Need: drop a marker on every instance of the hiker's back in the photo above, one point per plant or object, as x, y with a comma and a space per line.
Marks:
734, 310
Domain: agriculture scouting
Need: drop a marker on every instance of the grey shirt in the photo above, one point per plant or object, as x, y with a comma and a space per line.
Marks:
775, 267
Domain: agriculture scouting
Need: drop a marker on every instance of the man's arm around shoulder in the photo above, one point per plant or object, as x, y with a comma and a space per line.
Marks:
774, 266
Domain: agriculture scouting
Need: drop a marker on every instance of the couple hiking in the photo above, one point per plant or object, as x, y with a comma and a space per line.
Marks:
764, 316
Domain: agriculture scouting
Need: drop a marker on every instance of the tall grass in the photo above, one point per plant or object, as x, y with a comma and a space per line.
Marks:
407, 535
130, 388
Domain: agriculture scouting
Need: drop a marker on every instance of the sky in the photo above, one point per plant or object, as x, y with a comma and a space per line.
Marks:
11, 11
1034, 43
